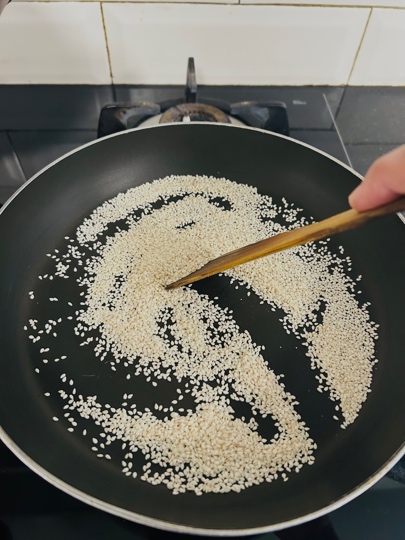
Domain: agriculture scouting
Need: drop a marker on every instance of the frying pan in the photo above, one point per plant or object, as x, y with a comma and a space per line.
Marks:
55, 202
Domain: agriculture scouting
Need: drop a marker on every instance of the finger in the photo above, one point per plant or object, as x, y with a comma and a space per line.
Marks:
384, 182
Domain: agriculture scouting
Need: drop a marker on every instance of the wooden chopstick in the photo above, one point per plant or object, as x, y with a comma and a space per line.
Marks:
315, 231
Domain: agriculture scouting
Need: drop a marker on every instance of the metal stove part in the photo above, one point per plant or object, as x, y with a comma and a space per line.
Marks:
116, 117
271, 116
155, 120
191, 82
194, 112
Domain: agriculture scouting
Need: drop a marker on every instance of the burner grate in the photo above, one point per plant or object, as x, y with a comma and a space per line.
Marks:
194, 112
271, 116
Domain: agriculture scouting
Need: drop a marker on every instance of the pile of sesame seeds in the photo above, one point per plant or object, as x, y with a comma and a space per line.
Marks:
161, 231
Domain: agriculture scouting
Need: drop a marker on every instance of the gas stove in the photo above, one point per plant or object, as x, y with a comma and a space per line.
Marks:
32, 509
271, 116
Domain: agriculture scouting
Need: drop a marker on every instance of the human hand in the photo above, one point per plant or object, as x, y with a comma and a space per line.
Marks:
383, 182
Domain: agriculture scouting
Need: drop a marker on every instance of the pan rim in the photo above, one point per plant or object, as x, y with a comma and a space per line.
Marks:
162, 126
174, 527
154, 522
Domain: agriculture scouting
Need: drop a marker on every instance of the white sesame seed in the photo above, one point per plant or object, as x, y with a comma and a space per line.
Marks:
125, 303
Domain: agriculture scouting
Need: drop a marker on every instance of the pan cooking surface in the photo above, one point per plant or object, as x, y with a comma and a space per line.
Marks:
52, 206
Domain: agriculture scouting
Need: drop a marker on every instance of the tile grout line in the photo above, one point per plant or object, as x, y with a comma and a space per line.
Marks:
259, 3
225, 3
279, 4
340, 102
107, 48
337, 131
360, 44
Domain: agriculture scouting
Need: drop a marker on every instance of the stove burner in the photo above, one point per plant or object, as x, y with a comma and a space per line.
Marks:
271, 116
194, 112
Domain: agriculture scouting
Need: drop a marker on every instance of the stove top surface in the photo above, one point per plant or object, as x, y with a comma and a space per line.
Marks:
39, 124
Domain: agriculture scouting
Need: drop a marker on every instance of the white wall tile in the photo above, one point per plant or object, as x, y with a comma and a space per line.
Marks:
51, 43
334, 3
150, 43
156, 1
381, 59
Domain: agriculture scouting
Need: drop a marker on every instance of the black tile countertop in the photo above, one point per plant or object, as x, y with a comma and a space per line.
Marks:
36, 149
43, 107
371, 122
11, 173
372, 115
38, 124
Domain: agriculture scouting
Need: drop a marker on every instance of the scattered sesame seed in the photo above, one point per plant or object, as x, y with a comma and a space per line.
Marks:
124, 276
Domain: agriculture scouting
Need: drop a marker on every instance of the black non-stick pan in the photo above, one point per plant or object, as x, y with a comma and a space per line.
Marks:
56, 201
